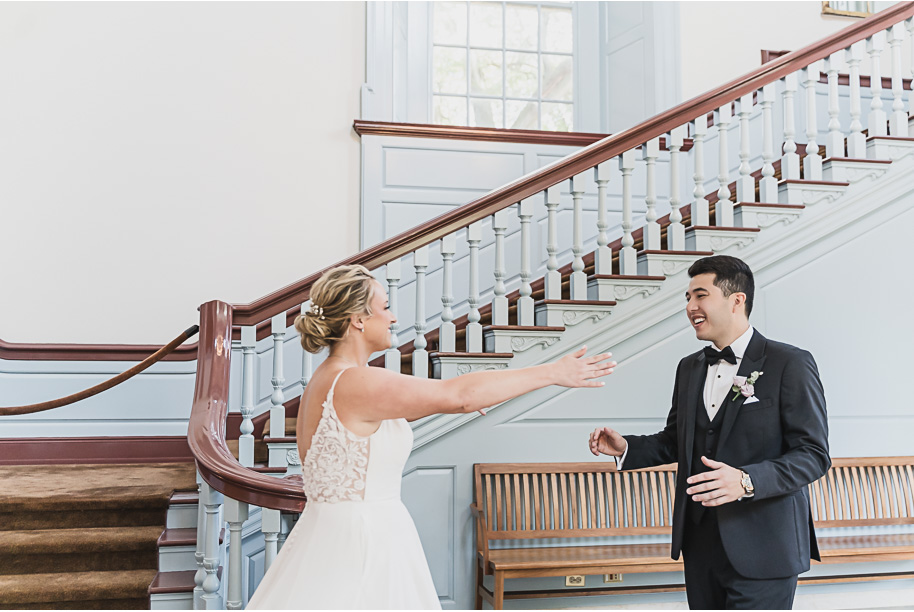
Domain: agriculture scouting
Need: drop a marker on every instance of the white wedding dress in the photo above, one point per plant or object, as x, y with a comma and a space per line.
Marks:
355, 545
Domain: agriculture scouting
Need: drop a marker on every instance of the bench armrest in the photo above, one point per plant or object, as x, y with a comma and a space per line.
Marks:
482, 535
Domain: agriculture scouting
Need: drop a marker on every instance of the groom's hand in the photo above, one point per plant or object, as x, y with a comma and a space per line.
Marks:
719, 486
605, 441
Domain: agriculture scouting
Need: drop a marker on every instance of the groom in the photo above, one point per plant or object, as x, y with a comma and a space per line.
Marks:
748, 429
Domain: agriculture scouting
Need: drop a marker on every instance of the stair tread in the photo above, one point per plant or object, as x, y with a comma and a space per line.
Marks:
175, 582
769, 205
811, 182
74, 586
576, 302
181, 536
89, 539
544, 328
665, 252
472, 355
719, 228
184, 497
624, 277
858, 159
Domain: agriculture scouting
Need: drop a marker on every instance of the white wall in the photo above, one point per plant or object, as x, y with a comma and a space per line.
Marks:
158, 155
723, 40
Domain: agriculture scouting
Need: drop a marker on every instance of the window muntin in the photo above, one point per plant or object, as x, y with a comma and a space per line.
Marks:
503, 64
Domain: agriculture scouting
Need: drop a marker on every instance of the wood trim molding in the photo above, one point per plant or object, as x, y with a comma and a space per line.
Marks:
294, 294
450, 132
58, 451
91, 352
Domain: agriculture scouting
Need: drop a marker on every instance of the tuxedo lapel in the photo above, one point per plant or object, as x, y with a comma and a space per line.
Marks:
753, 361
697, 378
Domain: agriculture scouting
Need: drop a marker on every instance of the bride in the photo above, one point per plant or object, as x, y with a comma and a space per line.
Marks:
355, 545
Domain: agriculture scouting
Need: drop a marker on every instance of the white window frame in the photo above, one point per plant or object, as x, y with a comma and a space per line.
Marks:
504, 50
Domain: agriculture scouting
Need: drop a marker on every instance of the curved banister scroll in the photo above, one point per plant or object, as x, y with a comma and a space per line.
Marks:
206, 430
293, 295
104, 386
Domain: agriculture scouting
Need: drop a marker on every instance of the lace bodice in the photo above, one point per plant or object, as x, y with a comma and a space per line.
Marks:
339, 464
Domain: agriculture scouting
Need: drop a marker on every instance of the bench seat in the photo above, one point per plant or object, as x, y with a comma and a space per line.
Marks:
516, 503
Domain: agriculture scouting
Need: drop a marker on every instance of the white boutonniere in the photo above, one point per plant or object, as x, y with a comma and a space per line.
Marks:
744, 385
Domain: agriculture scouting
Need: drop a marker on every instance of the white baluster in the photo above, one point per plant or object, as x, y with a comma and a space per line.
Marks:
474, 329
790, 162
447, 338
277, 410
701, 215
578, 278
675, 232
768, 186
876, 122
724, 207
603, 258
212, 501
628, 257
420, 355
392, 355
200, 551
812, 162
745, 184
525, 302
246, 441
834, 144
307, 359
898, 125
236, 513
553, 276
287, 522
500, 303
909, 24
650, 151
271, 526
856, 141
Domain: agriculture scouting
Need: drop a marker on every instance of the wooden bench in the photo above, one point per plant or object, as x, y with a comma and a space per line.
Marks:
536, 501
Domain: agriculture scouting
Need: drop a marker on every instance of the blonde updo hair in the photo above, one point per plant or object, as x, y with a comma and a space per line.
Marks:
335, 297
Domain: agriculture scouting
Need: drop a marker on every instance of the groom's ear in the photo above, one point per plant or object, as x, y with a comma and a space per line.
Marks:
739, 302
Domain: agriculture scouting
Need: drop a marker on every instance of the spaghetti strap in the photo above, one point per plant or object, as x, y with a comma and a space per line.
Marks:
333, 386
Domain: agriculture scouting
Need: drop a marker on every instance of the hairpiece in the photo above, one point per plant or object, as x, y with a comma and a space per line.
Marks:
317, 311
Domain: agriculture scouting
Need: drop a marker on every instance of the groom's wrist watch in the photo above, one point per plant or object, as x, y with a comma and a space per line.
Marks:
746, 483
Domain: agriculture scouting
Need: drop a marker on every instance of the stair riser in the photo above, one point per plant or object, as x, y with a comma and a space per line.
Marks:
177, 558
182, 516
80, 561
85, 518
140, 603
172, 601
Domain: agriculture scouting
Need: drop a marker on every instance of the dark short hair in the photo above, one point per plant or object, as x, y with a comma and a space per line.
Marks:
732, 275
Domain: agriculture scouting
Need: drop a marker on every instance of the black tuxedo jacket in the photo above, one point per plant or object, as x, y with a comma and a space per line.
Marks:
781, 441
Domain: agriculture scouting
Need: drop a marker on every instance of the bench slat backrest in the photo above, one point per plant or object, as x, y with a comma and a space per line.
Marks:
541, 500
538, 500
864, 491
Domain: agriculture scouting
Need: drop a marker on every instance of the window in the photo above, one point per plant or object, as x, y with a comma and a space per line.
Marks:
503, 64
847, 9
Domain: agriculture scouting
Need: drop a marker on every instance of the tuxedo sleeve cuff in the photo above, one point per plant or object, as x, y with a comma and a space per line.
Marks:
621, 460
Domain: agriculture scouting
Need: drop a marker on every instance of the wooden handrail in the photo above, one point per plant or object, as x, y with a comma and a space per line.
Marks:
293, 295
15, 351
104, 386
206, 430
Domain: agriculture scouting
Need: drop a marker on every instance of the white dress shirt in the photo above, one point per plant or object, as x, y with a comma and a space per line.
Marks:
719, 381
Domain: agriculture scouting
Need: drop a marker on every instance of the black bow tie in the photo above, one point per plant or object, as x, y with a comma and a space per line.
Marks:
713, 355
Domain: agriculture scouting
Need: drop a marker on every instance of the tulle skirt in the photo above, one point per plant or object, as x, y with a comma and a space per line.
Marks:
349, 555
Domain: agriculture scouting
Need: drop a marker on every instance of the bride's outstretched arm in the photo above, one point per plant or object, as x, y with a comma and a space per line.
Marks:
376, 394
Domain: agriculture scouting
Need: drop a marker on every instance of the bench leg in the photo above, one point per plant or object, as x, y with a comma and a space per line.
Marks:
480, 575
499, 590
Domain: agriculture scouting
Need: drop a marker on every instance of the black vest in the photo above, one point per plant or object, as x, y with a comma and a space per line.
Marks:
707, 433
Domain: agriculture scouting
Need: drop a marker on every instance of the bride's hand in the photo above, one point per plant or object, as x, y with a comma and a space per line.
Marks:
576, 370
